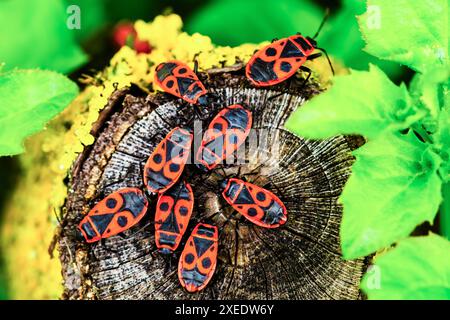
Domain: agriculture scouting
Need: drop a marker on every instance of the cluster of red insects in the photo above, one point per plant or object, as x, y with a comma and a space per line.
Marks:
227, 131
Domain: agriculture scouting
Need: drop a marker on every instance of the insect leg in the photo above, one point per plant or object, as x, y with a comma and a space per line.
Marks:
253, 172
306, 69
225, 176
277, 95
225, 224
198, 112
106, 247
313, 56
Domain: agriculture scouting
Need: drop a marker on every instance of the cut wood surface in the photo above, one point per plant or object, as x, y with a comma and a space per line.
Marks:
300, 260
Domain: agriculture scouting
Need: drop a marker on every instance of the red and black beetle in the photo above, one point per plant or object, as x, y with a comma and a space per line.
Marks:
199, 258
173, 212
178, 79
165, 165
225, 133
257, 204
281, 59
114, 214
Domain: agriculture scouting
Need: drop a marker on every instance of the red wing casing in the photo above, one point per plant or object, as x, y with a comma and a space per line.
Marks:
165, 165
257, 204
178, 79
199, 258
173, 212
278, 61
116, 213
226, 132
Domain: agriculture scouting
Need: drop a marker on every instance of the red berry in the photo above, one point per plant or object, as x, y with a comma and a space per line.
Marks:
122, 32
125, 34
142, 46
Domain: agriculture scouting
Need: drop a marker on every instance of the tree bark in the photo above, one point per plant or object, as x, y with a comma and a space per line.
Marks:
300, 260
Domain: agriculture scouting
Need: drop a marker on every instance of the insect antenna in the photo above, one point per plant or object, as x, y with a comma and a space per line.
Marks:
57, 216
224, 175
196, 61
325, 18
143, 227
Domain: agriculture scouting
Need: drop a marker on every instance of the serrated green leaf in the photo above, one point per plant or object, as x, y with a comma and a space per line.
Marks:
35, 35
429, 90
28, 99
342, 39
364, 102
394, 186
413, 33
417, 268
443, 139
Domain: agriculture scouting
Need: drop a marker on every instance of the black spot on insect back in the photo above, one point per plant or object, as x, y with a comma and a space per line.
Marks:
206, 263
122, 221
271, 52
184, 211
261, 196
111, 203
286, 66
252, 212
189, 258
157, 158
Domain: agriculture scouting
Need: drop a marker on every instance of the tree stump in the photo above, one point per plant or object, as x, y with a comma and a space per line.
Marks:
300, 260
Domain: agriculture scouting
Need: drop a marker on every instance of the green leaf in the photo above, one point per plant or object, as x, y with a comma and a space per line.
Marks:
417, 268
28, 99
413, 33
35, 35
443, 140
233, 22
428, 90
445, 211
342, 38
364, 102
394, 186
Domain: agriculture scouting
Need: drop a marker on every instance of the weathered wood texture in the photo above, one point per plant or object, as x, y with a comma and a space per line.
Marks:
300, 260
